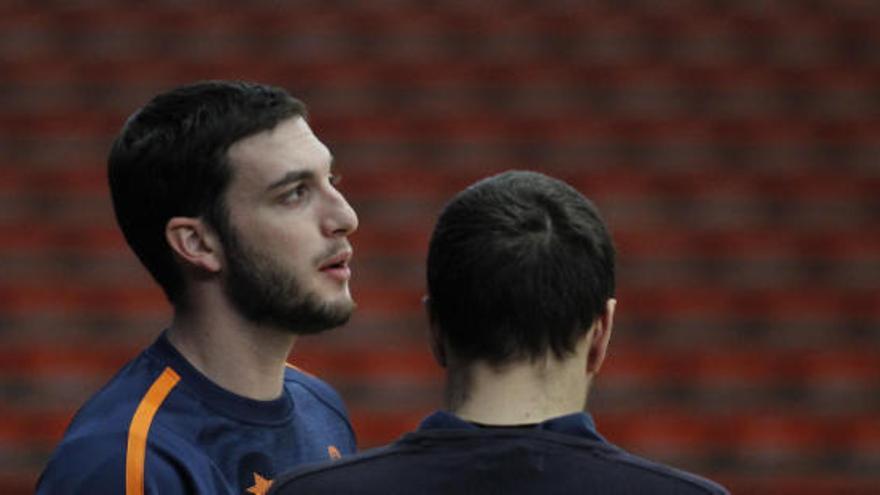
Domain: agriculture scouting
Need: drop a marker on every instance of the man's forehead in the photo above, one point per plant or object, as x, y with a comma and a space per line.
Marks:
289, 131
291, 141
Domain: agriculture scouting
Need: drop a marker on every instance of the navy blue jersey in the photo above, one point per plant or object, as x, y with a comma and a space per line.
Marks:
161, 427
564, 455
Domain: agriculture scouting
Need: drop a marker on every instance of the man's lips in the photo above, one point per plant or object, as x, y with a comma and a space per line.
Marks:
336, 261
337, 266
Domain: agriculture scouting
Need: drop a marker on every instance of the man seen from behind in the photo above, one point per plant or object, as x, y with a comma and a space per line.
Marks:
521, 282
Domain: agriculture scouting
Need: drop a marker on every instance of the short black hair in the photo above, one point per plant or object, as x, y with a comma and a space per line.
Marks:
170, 159
519, 263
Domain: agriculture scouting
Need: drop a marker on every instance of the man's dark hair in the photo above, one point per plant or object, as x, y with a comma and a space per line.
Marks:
518, 264
170, 159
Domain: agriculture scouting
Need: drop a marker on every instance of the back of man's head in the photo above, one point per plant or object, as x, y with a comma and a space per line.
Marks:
519, 264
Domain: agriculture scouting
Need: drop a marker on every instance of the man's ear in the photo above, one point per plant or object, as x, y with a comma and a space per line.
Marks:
194, 243
435, 337
601, 337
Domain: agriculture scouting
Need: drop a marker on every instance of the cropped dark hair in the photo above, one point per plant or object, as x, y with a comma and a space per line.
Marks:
518, 264
170, 159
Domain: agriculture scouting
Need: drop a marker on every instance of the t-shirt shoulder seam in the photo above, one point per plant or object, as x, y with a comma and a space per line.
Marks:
616, 454
300, 378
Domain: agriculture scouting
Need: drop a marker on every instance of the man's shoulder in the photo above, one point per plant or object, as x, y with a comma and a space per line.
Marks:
102, 463
655, 474
109, 410
86, 463
302, 383
530, 462
98, 456
95, 451
594, 460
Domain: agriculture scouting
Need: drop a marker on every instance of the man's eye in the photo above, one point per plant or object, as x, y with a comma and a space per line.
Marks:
295, 195
335, 179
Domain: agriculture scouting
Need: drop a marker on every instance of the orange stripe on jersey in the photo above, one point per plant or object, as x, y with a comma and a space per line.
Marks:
297, 368
136, 452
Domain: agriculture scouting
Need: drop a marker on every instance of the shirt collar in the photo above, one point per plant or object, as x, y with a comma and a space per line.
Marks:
577, 424
229, 404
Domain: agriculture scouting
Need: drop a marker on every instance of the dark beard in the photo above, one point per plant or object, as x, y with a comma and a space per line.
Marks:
265, 294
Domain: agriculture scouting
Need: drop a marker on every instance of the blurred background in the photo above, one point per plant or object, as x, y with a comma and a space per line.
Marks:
733, 146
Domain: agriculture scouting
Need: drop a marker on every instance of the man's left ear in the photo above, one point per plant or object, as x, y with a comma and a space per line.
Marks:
601, 337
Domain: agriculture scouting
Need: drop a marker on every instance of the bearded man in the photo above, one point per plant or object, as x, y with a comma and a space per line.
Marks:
229, 200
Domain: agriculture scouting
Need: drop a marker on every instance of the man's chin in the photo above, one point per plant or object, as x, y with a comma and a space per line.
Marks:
342, 310
328, 316
338, 302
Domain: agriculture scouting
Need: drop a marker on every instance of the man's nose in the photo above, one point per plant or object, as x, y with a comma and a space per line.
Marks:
340, 219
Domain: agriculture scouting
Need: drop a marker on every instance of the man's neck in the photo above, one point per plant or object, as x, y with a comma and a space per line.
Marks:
518, 393
245, 359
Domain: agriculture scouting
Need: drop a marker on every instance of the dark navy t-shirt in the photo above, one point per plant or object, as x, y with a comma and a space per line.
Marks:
161, 427
564, 455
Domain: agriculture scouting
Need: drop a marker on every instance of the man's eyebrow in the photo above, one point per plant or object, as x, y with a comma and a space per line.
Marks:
292, 176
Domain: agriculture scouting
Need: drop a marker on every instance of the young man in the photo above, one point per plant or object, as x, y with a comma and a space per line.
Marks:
229, 200
521, 305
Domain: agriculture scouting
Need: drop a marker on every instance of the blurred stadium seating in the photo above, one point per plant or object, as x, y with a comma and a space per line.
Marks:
734, 147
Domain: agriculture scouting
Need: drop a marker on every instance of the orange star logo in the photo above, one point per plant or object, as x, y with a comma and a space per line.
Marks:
261, 485
333, 452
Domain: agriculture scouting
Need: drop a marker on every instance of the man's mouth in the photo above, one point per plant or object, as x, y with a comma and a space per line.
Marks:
337, 266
